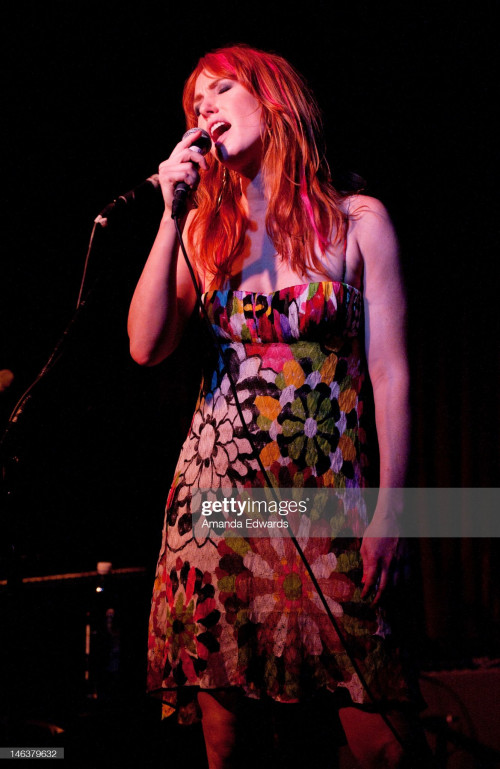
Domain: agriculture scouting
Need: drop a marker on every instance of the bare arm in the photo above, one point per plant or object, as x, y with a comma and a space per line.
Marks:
385, 329
164, 297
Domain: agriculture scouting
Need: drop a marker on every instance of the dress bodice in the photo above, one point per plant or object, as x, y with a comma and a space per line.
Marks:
309, 311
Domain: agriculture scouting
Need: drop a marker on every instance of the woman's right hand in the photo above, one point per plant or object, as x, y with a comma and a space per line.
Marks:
183, 165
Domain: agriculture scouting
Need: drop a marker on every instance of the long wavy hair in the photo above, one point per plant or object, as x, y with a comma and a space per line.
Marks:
303, 206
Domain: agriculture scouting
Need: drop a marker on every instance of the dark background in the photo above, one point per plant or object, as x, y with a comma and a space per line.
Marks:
91, 105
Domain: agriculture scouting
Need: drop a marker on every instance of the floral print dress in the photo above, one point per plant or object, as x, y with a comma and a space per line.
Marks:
240, 611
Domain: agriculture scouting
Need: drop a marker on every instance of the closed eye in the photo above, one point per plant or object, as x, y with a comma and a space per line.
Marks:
219, 86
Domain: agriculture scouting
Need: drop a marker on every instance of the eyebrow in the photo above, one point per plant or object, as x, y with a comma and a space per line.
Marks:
198, 97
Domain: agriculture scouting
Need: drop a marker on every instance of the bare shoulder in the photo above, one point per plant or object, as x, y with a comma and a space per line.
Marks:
371, 228
367, 214
359, 204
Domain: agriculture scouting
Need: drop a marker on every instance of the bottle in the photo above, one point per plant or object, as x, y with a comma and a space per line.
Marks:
102, 640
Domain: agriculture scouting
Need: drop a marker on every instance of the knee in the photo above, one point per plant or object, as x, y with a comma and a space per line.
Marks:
383, 753
390, 754
376, 746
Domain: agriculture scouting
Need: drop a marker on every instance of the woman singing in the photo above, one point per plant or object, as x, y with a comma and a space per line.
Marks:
303, 288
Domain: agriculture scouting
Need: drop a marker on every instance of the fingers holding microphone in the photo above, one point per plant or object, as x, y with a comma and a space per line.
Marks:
179, 174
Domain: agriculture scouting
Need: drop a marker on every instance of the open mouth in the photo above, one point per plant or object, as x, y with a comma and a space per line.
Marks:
217, 129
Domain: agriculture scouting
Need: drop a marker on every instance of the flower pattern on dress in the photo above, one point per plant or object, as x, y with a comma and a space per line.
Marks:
216, 446
189, 622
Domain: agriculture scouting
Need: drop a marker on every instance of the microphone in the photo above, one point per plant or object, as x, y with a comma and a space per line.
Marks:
182, 190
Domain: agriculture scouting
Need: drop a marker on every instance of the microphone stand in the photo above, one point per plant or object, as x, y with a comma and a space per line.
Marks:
8, 458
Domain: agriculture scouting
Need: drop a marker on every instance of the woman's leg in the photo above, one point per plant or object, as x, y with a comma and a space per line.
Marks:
374, 745
236, 731
219, 731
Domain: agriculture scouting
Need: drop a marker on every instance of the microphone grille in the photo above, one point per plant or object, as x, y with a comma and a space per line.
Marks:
202, 143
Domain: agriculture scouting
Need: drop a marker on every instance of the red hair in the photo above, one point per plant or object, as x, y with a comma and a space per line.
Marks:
303, 206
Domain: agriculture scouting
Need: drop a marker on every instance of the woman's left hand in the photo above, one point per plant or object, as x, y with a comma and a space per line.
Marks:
381, 562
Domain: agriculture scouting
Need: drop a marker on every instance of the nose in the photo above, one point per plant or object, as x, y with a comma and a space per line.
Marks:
207, 106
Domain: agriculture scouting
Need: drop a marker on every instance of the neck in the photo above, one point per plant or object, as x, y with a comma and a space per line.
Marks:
253, 194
